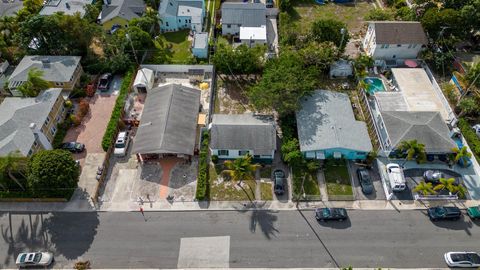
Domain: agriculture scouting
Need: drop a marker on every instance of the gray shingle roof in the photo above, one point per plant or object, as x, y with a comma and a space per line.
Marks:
169, 121
127, 9
244, 14
68, 7
180, 8
57, 69
326, 121
428, 128
393, 32
16, 115
243, 132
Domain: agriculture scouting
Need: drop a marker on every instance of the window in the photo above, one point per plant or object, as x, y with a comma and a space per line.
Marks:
30, 152
35, 143
58, 83
256, 156
243, 152
223, 152
186, 20
385, 46
47, 120
410, 46
360, 153
229, 26
63, 108
179, 20
166, 23
189, 21
399, 45
53, 129
58, 118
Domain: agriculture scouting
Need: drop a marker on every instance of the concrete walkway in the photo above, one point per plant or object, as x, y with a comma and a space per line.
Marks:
322, 185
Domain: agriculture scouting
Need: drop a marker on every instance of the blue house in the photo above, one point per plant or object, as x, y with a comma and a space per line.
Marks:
176, 15
327, 128
200, 45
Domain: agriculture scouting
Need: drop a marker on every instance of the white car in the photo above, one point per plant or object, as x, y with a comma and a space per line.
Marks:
462, 259
477, 129
121, 144
395, 177
34, 259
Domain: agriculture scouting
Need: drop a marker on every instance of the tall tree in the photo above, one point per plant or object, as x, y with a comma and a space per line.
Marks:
11, 165
241, 169
448, 184
240, 60
34, 84
413, 150
424, 188
462, 156
323, 30
319, 55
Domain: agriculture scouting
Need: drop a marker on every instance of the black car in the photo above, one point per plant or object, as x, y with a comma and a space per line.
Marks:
365, 181
104, 82
324, 214
432, 176
444, 213
279, 182
74, 147
269, 3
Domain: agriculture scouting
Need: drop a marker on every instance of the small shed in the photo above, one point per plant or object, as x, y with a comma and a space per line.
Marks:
144, 80
341, 69
200, 45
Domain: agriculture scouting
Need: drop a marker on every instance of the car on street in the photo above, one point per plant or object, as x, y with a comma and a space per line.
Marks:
121, 144
473, 212
365, 181
444, 213
462, 259
432, 176
104, 82
34, 259
279, 182
324, 214
74, 147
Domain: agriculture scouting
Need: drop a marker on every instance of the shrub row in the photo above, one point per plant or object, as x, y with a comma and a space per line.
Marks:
62, 129
202, 182
112, 126
470, 137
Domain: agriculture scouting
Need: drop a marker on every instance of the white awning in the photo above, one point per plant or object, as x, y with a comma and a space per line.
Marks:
320, 155
337, 155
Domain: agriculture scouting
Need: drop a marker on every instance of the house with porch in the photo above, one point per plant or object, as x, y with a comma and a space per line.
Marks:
390, 40
327, 128
236, 135
175, 15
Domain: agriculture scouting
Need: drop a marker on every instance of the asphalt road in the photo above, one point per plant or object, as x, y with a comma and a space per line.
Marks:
256, 239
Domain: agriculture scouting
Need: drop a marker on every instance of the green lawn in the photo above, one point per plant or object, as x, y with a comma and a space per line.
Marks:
266, 191
338, 178
227, 191
310, 185
177, 46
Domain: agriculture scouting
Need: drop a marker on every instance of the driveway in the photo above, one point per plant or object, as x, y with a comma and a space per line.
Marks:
377, 194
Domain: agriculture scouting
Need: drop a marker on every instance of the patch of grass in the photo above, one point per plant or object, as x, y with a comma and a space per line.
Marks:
338, 178
266, 191
266, 172
178, 46
310, 185
228, 190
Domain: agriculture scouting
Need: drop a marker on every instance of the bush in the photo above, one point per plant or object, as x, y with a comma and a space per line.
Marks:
83, 107
78, 93
470, 137
112, 126
202, 182
62, 129
215, 159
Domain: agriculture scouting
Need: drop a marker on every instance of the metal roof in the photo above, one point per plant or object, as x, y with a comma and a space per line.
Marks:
244, 14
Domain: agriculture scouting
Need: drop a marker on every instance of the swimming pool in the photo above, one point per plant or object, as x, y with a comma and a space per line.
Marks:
374, 85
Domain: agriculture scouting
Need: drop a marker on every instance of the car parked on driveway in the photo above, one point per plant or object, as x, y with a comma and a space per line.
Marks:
433, 176
365, 181
121, 144
279, 182
473, 212
324, 214
104, 82
462, 259
444, 213
34, 259
269, 3
74, 147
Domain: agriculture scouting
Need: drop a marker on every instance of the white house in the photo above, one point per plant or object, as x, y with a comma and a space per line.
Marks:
388, 40
236, 135
238, 14
253, 35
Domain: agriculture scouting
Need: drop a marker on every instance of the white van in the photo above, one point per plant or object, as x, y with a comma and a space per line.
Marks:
396, 178
121, 144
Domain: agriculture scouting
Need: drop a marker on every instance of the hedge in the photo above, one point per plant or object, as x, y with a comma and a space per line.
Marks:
62, 129
470, 136
112, 126
202, 183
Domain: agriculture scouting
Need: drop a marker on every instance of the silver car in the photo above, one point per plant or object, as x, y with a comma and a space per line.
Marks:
34, 259
462, 259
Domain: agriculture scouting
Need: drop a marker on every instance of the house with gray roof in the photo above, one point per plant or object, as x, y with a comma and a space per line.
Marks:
236, 135
389, 40
29, 124
117, 13
246, 15
175, 15
327, 128
67, 7
61, 71
169, 123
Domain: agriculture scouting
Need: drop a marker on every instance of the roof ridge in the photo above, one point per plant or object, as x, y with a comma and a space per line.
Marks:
406, 130
167, 118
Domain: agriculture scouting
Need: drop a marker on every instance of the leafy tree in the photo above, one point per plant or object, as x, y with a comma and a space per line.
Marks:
424, 188
291, 153
288, 30
405, 14
8, 26
34, 84
91, 13
29, 8
473, 75
240, 169
285, 5
447, 22
462, 154
146, 22
240, 60
362, 63
285, 81
448, 184
53, 173
323, 30
379, 14
468, 106
140, 39
413, 150
319, 55
11, 165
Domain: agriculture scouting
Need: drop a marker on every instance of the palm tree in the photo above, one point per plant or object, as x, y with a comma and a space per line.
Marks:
241, 169
34, 84
462, 154
11, 164
424, 188
413, 149
460, 191
448, 184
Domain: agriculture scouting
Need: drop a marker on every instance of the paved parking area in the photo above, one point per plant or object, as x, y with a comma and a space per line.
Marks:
378, 192
9, 7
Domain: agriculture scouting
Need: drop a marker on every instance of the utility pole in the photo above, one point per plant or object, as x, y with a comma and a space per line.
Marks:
135, 56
